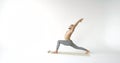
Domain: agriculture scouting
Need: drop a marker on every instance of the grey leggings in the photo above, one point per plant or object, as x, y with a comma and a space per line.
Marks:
69, 43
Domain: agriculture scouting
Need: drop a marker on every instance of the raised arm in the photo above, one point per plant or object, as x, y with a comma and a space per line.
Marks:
74, 25
78, 22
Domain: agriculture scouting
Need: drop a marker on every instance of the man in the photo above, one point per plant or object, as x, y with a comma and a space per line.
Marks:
68, 41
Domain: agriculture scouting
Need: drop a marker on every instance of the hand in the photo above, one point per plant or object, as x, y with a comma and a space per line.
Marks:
81, 20
78, 22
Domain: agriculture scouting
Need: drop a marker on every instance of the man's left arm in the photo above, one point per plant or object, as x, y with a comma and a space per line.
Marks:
74, 26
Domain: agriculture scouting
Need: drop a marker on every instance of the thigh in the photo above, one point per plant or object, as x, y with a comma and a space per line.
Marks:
65, 42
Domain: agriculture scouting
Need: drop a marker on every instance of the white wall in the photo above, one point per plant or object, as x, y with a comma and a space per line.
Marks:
33, 26
113, 25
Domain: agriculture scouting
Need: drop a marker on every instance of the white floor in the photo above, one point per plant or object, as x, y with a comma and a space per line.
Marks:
36, 56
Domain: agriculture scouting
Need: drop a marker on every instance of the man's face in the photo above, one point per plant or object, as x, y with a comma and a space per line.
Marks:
70, 26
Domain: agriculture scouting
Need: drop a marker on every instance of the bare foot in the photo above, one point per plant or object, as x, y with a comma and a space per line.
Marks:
55, 52
87, 52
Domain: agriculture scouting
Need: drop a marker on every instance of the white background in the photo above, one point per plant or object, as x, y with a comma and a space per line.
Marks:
29, 28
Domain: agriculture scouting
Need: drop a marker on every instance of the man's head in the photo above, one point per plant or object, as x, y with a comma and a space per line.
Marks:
70, 26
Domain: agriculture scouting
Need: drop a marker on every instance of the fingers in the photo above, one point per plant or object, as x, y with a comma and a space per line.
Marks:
81, 20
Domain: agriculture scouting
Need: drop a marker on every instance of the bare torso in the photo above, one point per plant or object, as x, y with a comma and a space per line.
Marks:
71, 30
68, 35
